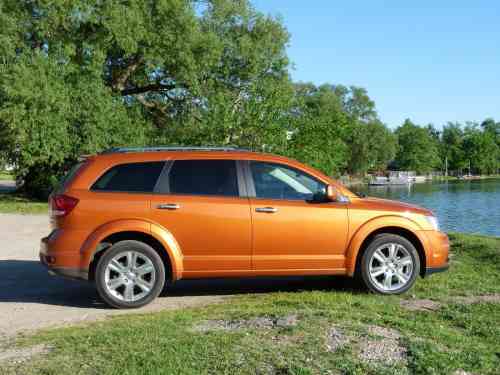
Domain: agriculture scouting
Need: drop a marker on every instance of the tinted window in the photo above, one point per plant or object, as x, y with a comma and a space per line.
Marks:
276, 181
139, 177
204, 177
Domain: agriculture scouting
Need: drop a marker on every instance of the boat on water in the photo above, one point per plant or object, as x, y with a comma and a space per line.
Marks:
469, 177
390, 181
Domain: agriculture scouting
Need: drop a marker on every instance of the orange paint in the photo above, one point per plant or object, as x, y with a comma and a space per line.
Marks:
219, 236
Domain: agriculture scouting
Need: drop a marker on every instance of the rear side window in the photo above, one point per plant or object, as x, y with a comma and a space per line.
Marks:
133, 177
204, 177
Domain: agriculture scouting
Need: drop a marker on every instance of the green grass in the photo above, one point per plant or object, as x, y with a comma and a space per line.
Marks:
456, 336
6, 176
16, 203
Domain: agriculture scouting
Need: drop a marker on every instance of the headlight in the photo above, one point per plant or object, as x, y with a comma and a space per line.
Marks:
433, 221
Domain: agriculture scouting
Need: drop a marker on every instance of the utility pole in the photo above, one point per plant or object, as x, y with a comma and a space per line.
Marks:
446, 166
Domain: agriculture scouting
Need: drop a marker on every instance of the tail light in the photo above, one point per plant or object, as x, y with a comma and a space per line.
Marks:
61, 205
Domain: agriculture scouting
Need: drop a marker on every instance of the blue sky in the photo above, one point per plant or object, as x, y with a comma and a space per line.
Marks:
431, 61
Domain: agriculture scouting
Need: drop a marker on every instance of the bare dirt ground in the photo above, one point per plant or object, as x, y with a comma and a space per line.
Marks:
31, 299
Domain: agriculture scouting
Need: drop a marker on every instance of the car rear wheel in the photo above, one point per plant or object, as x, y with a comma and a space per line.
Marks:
130, 274
390, 264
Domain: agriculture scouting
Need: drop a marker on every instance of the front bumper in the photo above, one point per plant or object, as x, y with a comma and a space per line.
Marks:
431, 270
437, 252
52, 261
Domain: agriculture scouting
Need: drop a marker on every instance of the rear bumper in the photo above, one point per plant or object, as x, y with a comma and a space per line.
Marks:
54, 261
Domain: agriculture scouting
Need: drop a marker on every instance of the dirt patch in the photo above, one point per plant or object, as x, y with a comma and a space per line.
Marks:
336, 339
462, 372
489, 298
255, 323
420, 305
429, 305
384, 348
18, 355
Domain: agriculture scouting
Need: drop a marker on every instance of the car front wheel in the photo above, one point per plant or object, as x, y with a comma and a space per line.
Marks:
390, 264
130, 274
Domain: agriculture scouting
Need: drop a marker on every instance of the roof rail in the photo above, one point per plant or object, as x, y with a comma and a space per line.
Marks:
169, 148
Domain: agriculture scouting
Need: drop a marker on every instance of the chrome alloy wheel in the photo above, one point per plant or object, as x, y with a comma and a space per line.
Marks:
130, 276
391, 267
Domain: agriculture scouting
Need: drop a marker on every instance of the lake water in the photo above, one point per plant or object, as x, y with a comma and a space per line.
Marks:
461, 206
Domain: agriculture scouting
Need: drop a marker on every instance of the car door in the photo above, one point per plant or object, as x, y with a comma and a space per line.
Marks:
202, 204
292, 228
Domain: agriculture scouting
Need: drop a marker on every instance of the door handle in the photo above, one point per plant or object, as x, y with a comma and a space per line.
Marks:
268, 210
168, 206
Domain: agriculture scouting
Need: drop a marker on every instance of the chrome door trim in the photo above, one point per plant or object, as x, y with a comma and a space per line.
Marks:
268, 210
168, 206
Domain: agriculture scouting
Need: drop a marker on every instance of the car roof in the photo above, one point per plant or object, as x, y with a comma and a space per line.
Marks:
166, 153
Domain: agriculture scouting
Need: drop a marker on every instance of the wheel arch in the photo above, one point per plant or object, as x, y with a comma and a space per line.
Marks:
398, 226
160, 239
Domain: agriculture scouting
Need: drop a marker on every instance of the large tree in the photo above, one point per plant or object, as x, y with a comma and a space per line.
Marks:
418, 148
371, 144
480, 149
319, 129
82, 75
452, 146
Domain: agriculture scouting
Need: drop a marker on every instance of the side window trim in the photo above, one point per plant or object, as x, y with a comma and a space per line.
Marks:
240, 174
163, 183
162, 186
251, 185
247, 174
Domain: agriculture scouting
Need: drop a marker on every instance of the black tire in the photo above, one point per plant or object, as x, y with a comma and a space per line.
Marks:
373, 283
142, 252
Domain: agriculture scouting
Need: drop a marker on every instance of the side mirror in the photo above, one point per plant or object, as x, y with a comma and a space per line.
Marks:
331, 193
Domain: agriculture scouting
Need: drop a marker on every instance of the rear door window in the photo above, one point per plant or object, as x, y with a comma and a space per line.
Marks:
204, 177
132, 177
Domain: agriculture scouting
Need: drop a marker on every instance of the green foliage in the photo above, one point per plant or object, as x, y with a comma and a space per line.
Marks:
452, 146
320, 127
80, 76
418, 149
371, 144
372, 147
481, 150
337, 130
50, 118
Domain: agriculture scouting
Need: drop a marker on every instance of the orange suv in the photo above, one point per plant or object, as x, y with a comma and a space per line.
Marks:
131, 220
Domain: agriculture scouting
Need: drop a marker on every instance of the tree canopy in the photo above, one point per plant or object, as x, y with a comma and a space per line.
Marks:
418, 148
80, 76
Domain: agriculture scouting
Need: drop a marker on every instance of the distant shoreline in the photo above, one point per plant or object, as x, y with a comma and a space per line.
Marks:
349, 181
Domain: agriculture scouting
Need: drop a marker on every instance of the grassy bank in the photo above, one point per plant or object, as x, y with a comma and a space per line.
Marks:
6, 176
19, 204
444, 324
